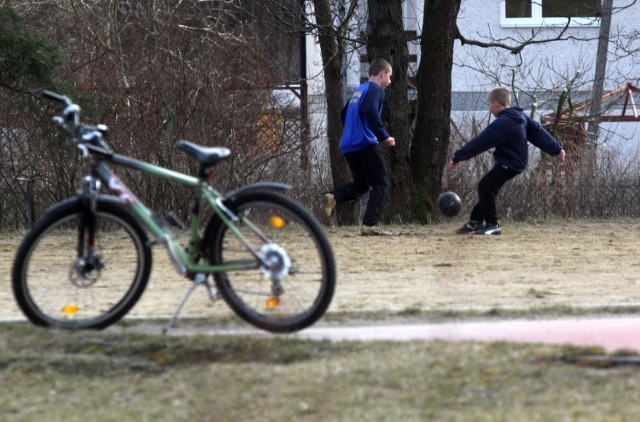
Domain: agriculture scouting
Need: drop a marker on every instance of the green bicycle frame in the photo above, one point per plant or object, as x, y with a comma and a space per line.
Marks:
185, 260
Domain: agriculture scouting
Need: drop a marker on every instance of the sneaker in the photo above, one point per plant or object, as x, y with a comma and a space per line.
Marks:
374, 231
489, 229
469, 227
329, 204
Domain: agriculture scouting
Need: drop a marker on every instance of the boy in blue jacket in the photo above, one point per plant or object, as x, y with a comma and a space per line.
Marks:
360, 144
508, 134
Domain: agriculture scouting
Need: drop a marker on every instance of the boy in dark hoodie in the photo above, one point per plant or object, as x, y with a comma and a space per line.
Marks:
508, 134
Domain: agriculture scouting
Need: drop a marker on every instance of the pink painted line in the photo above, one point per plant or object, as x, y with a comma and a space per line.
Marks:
609, 333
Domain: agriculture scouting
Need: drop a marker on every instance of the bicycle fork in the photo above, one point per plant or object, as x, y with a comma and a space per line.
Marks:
88, 265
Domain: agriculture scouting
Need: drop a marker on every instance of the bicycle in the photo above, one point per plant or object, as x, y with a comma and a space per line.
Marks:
86, 263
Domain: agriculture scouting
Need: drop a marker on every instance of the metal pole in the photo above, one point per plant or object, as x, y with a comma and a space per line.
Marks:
601, 67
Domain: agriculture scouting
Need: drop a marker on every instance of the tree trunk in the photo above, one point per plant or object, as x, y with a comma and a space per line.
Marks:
385, 39
431, 138
331, 50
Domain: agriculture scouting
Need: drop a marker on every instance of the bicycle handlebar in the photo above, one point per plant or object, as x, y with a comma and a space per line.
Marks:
56, 97
70, 122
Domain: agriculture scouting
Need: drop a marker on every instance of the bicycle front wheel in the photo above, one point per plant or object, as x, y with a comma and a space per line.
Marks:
290, 284
65, 277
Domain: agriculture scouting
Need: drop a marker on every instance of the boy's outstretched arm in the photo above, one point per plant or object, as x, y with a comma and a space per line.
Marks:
542, 139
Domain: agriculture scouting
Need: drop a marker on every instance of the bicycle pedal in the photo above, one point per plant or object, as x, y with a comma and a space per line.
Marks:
153, 242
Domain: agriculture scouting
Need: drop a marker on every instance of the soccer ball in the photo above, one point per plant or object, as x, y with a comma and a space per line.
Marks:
449, 204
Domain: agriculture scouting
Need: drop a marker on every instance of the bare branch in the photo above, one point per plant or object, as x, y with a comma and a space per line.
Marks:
520, 45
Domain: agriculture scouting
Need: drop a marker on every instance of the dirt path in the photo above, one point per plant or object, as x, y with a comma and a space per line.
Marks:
577, 264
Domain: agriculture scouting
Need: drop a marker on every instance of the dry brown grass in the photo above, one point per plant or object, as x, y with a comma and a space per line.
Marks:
535, 267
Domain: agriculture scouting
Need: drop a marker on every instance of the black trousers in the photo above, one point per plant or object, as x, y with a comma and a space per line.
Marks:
488, 188
369, 171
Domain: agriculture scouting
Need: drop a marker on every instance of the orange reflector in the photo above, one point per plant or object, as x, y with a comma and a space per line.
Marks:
272, 302
277, 222
69, 309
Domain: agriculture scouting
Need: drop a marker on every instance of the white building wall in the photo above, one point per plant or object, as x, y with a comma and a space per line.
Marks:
542, 69
538, 67
549, 66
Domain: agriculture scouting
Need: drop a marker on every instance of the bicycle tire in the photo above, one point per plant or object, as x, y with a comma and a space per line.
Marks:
50, 290
309, 284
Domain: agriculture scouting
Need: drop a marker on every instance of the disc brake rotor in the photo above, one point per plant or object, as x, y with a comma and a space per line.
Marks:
83, 274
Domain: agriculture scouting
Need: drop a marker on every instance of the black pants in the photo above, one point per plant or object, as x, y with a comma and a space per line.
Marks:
488, 188
369, 171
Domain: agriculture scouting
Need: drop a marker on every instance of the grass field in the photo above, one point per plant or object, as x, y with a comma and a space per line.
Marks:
130, 372
115, 376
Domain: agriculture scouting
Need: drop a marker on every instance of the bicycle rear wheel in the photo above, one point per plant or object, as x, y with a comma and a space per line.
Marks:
295, 289
59, 280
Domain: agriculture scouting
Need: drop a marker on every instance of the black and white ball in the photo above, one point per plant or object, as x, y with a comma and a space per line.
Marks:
449, 204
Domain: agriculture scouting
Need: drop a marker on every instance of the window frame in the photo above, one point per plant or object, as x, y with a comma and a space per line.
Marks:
536, 20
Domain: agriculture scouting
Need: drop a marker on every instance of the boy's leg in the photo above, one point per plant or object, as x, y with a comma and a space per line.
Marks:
375, 173
488, 189
358, 187
477, 214
476, 220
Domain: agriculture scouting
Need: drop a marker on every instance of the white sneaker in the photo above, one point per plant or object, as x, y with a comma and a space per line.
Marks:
374, 231
489, 230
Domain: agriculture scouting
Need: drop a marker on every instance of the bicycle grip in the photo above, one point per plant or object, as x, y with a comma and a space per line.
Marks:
53, 96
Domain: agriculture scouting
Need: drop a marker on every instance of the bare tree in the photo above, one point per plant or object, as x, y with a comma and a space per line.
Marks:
386, 39
331, 36
332, 22
431, 139
155, 73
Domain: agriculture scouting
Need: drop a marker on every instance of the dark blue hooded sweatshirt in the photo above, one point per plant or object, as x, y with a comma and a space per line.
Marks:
509, 134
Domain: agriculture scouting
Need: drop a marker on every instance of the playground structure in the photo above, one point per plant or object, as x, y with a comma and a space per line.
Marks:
573, 125
569, 123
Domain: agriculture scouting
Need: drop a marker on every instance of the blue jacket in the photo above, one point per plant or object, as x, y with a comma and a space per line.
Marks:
509, 134
362, 120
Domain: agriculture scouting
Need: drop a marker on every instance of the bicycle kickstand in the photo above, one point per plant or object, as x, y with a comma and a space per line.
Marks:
198, 280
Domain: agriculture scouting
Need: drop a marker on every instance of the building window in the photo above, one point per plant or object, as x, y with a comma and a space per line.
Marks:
535, 13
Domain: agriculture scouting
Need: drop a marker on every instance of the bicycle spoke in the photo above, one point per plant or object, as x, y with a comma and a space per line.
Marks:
294, 284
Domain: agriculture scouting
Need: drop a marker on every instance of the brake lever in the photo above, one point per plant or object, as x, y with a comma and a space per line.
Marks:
84, 149
55, 96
